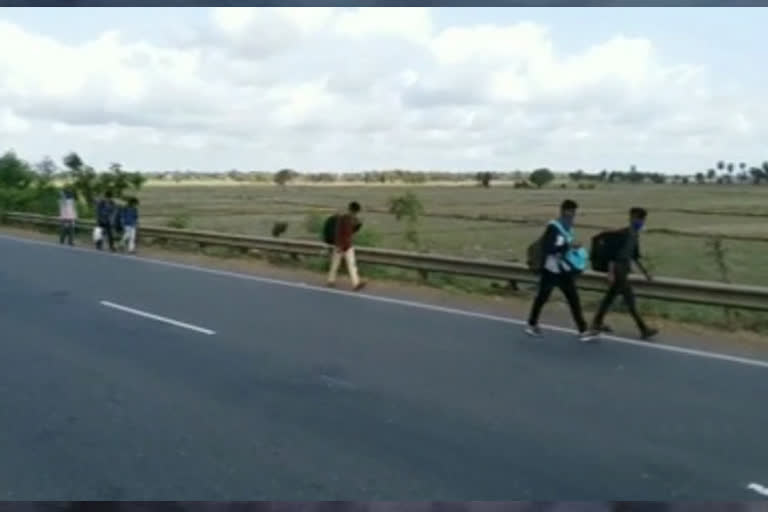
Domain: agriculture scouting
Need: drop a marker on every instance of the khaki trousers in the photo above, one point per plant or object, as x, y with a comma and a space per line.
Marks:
349, 258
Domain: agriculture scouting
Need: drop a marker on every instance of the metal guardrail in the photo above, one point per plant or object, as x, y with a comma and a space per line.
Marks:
662, 288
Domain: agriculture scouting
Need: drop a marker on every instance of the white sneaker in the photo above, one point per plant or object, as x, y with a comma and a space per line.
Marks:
589, 336
533, 331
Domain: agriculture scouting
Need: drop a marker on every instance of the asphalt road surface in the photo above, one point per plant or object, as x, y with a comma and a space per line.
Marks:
124, 379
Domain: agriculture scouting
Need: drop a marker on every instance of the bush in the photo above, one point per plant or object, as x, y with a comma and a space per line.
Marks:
180, 221
367, 237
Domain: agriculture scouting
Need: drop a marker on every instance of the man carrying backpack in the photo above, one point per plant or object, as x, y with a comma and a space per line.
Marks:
105, 217
343, 227
557, 269
620, 253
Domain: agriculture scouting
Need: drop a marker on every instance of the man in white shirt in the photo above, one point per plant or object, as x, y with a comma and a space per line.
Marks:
67, 216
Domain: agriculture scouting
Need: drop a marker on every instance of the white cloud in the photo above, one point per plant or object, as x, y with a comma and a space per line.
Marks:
10, 123
322, 88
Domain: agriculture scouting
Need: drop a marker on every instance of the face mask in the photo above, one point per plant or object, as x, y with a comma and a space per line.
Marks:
637, 225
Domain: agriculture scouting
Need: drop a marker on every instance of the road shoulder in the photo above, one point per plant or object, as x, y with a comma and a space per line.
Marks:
740, 343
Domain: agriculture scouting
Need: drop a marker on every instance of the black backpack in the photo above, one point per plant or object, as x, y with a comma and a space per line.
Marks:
329, 230
605, 246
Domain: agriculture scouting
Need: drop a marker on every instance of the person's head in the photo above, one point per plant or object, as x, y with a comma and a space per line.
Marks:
354, 208
637, 218
568, 210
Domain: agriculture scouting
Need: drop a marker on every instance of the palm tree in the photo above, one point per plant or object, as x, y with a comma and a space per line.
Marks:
730, 167
743, 166
711, 174
720, 165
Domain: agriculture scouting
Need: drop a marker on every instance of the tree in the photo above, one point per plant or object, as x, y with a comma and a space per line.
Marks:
73, 162
730, 167
721, 165
758, 175
410, 208
700, 178
541, 177
284, 176
711, 174
765, 166
484, 179
14, 172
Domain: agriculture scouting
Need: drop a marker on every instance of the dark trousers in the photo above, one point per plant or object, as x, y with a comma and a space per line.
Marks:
621, 286
567, 284
67, 232
106, 230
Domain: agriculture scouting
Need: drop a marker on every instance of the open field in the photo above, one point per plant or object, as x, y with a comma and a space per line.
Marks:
454, 223
499, 223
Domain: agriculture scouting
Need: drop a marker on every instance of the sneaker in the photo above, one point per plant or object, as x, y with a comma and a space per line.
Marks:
360, 286
591, 336
534, 331
649, 334
330, 285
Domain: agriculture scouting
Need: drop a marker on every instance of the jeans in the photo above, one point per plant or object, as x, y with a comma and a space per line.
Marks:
129, 238
567, 284
67, 232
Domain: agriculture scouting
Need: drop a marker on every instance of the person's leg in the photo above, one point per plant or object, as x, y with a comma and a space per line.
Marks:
71, 232
335, 263
567, 285
629, 301
110, 236
63, 231
605, 305
546, 284
349, 258
132, 239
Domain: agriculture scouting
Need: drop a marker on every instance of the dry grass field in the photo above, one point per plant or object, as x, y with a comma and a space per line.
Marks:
499, 223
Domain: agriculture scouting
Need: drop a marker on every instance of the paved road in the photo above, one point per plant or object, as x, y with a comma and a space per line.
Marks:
307, 394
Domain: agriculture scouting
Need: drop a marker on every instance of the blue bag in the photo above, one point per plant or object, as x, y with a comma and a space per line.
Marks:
576, 258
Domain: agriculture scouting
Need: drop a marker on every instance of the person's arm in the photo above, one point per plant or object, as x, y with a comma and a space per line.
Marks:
550, 243
636, 259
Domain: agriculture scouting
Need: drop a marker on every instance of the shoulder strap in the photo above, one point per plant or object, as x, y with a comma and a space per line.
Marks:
567, 234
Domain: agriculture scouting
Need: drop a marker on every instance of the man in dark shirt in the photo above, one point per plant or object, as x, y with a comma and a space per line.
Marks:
347, 225
619, 269
105, 218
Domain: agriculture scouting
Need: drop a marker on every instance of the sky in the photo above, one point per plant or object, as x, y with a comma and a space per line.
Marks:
346, 89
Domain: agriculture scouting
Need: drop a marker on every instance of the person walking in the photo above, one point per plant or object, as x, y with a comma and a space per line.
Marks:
67, 217
105, 218
346, 225
130, 222
619, 268
559, 271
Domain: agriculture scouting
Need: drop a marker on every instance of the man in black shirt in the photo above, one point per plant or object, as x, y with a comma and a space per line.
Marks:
558, 272
620, 267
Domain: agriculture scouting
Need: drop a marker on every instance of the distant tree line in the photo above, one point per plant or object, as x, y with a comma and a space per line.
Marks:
88, 182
